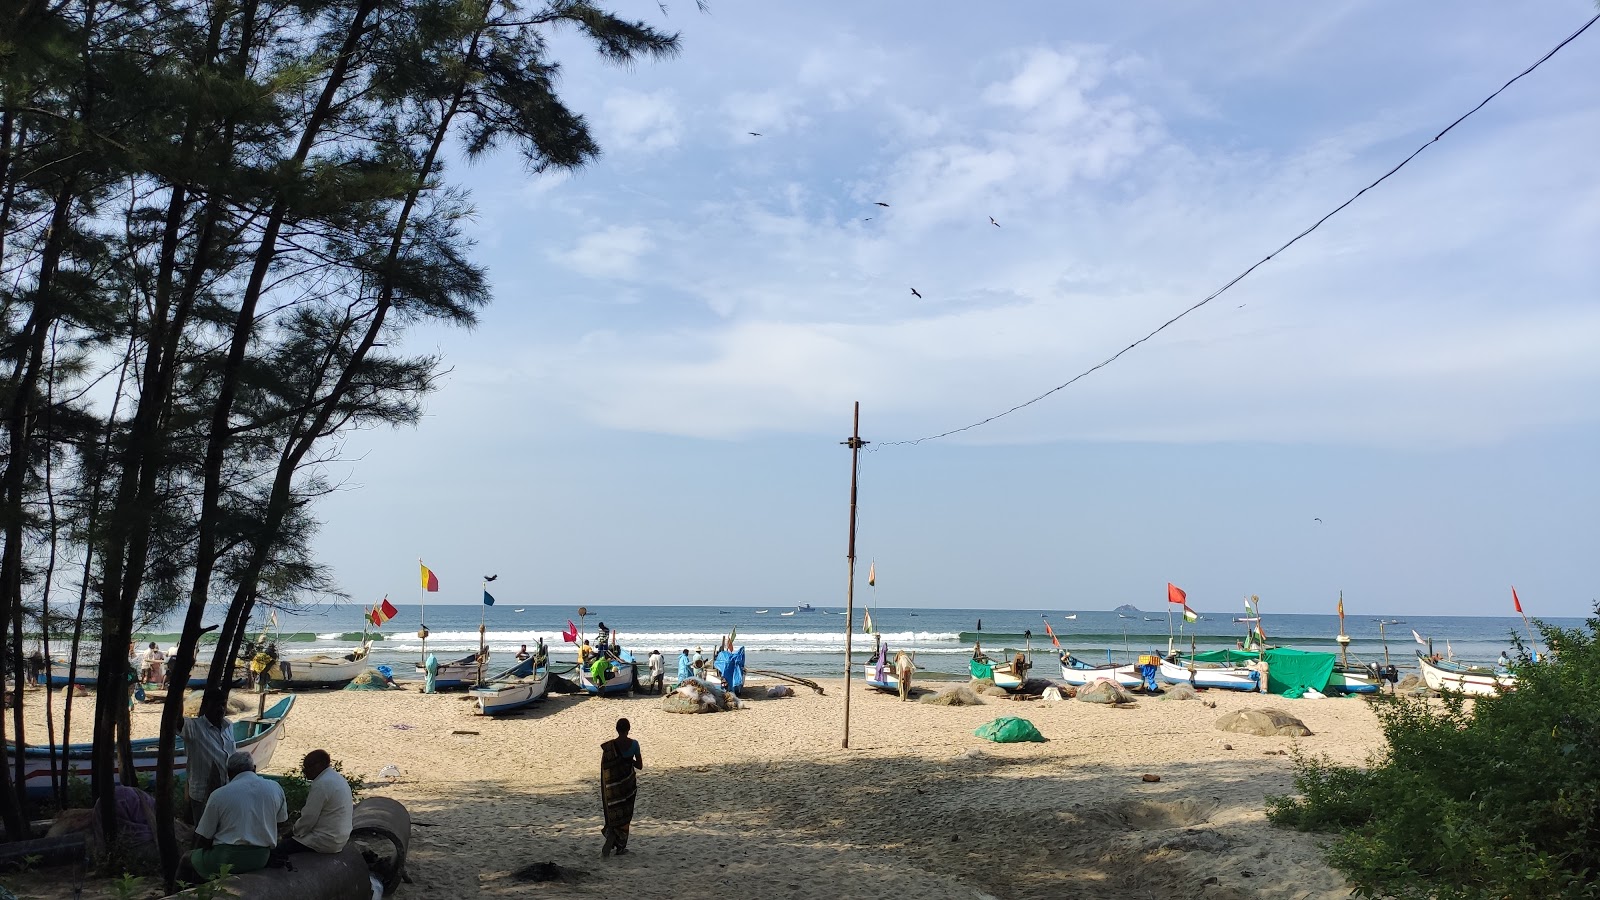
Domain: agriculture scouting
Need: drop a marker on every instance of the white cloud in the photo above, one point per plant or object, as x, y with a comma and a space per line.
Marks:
609, 253
640, 122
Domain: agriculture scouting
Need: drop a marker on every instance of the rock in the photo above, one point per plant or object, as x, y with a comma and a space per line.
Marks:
1180, 692
1104, 691
1227, 746
1263, 723
1151, 778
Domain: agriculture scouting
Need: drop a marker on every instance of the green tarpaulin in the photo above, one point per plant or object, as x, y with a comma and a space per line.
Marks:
1286, 669
982, 669
1009, 730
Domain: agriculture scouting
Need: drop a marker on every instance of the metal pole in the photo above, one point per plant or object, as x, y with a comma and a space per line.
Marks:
855, 444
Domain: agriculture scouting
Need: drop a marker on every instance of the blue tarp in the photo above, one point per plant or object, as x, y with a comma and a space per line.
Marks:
731, 665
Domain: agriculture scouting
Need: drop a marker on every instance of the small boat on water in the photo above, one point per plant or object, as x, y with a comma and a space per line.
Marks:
761, 612
623, 672
804, 608
1449, 675
789, 613
256, 736
1069, 618
322, 670
1078, 673
519, 610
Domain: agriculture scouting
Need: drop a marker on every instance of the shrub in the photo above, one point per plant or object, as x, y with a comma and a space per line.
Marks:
1497, 800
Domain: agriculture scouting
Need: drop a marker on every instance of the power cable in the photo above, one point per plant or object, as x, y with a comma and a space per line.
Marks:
1242, 275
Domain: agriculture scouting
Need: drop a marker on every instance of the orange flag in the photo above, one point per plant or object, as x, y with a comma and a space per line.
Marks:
1175, 594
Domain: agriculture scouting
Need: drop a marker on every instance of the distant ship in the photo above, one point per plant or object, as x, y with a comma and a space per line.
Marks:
761, 612
518, 610
804, 607
1073, 616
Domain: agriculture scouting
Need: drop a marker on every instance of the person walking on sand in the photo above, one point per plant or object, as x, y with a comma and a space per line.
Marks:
658, 672
620, 761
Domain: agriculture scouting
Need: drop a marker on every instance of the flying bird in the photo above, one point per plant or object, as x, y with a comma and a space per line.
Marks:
867, 219
993, 222
1316, 520
881, 203
914, 293
753, 133
490, 577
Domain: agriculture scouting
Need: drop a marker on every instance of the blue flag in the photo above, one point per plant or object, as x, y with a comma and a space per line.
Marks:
488, 599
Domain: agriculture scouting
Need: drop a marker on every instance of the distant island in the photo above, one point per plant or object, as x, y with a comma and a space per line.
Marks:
1128, 608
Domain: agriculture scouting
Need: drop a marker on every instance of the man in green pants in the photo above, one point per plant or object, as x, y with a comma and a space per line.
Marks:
240, 825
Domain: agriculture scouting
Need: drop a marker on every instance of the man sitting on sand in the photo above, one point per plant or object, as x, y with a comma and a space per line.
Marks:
324, 823
240, 824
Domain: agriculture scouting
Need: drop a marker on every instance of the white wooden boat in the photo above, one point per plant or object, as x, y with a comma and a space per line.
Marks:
1078, 673
1210, 675
258, 737
1002, 674
500, 697
887, 681
1449, 675
323, 670
460, 673
620, 682
1353, 680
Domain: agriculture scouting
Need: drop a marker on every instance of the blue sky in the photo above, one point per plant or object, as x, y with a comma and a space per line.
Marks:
650, 412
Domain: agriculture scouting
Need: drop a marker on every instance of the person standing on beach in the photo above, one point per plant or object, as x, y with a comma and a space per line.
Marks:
207, 743
685, 668
657, 672
620, 761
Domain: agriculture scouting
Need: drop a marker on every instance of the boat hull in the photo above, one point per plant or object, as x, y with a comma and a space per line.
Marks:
257, 737
454, 675
501, 698
1228, 678
324, 671
619, 683
1078, 673
1449, 676
888, 683
1352, 681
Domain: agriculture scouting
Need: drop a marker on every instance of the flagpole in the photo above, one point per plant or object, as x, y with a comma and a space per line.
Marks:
483, 611
855, 444
422, 598
1169, 625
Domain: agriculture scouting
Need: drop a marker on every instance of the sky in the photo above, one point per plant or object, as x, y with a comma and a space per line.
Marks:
651, 410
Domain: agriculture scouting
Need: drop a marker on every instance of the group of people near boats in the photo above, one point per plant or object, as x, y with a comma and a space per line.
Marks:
239, 817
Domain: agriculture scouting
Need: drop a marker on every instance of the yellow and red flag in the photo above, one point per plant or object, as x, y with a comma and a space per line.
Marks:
430, 581
382, 612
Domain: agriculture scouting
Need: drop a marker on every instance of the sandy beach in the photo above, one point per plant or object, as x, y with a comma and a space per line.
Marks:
763, 802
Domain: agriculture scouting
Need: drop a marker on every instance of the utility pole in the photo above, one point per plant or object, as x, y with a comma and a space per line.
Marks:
855, 444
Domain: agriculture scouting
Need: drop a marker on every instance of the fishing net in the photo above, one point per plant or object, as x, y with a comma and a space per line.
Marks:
960, 695
370, 680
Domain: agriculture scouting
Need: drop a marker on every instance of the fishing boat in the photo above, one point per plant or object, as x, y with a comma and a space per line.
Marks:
1449, 675
1210, 675
1003, 675
458, 674
1071, 617
621, 682
256, 736
1078, 673
789, 613
510, 691
761, 612
322, 670
804, 608
880, 672
1349, 679
88, 674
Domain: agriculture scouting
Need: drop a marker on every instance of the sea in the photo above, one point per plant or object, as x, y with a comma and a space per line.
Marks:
810, 641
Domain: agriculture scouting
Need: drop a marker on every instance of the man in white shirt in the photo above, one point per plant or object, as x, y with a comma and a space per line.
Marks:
657, 672
240, 825
324, 823
207, 744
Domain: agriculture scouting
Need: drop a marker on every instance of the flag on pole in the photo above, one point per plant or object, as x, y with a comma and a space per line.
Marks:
1175, 594
272, 617
872, 574
430, 581
1449, 651
382, 612
1418, 637
488, 599
1341, 605
571, 634
866, 621
1516, 601
1051, 631
1190, 615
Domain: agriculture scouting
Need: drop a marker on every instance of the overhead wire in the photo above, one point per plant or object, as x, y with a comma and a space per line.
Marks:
1246, 273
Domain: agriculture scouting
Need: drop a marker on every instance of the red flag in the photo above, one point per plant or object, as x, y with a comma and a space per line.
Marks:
571, 634
1175, 594
1050, 631
430, 581
382, 612
1515, 600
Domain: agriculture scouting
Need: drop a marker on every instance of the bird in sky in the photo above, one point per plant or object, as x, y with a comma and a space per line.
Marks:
881, 203
993, 222
914, 293
490, 577
1316, 520
753, 133
867, 219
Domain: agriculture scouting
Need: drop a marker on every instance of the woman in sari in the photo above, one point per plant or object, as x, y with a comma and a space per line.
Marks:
620, 759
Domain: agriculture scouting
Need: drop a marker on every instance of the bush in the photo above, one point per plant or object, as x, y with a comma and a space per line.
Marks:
1497, 800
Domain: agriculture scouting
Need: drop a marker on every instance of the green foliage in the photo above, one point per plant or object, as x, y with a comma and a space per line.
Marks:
127, 887
1496, 800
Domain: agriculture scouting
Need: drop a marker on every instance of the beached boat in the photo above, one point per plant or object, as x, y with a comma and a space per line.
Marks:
458, 674
88, 674
1353, 680
322, 670
258, 737
1003, 675
880, 672
1449, 675
1210, 675
1078, 673
500, 697
621, 680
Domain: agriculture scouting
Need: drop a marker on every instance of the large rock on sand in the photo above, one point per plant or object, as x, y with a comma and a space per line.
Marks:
1263, 723
1104, 690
